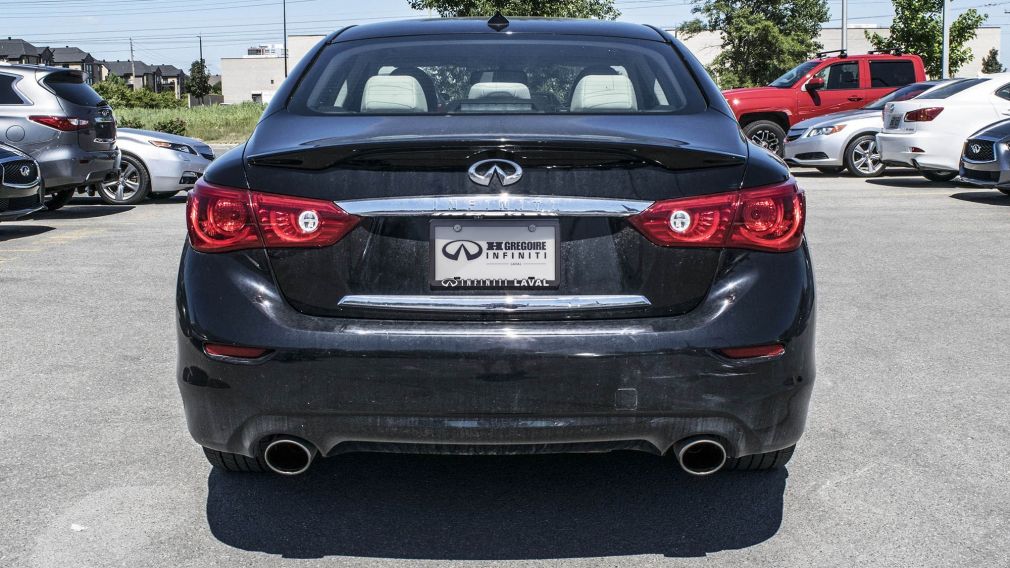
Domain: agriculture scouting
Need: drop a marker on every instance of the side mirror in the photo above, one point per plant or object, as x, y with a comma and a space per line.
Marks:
815, 83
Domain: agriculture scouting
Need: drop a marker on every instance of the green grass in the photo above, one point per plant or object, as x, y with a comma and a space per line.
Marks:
227, 124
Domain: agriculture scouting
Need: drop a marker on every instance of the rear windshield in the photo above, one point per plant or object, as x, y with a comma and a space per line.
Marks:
71, 87
497, 76
902, 94
954, 88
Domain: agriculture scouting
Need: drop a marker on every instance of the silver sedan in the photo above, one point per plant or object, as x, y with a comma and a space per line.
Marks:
155, 164
846, 140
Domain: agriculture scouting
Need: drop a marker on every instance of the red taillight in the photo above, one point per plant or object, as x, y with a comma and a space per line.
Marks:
923, 114
768, 218
773, 350
223, 219
64, 123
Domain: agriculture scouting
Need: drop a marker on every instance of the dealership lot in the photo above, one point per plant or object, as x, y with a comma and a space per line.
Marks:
904, 461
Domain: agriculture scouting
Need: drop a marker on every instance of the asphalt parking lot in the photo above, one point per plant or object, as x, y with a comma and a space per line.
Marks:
904, 462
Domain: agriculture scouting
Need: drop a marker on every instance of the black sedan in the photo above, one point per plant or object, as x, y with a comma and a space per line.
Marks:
985, 161
20, 184
469, 236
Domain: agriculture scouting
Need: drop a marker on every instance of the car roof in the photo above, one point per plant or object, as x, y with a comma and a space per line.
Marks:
35, 67
443, 26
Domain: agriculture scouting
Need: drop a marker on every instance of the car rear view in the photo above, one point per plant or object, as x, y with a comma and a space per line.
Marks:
443, 238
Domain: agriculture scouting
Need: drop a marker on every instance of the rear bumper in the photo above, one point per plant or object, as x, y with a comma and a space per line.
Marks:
346, 384
68, 165
937, 152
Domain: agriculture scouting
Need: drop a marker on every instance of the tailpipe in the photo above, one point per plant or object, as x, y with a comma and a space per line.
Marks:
701, 456
289, 456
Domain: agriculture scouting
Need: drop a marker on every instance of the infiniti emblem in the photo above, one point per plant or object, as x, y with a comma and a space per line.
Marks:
976, 148
26, 171
470, 249
484, 171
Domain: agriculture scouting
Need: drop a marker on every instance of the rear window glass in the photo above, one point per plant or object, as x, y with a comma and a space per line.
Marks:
497, 76
902, 94
71, 87
891, 73
8, 96
947, 91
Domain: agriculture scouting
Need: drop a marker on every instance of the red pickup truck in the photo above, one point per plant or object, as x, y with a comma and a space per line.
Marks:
816, 87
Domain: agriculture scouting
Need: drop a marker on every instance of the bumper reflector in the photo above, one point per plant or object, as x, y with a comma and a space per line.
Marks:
773, 350
236, 351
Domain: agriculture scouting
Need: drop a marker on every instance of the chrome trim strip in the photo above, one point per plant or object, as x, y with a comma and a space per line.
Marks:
503, 303
493, 205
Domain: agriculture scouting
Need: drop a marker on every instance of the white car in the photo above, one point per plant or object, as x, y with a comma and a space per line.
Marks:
928, 132
155, 164
846, 140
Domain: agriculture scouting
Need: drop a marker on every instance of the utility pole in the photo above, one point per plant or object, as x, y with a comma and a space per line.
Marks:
845, 25
945, 65
285, 4
201, 47
133, 68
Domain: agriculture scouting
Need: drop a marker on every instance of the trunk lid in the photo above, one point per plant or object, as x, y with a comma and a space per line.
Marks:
79, 100
581, 179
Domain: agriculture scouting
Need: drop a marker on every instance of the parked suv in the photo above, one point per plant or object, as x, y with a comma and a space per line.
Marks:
55, 116
818, 87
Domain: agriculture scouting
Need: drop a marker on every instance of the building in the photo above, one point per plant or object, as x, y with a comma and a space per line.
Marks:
250, 79
172, 79
137, 74
707, 45
75, 58
20, 51
266, 50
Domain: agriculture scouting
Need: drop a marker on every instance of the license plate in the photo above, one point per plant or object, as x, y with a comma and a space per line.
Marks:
895, 120
494, 254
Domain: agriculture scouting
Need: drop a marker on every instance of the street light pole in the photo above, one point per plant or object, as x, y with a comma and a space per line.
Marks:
845, 25
285, 4
945, 48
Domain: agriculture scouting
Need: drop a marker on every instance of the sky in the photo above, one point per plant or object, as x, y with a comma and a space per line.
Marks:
166, 31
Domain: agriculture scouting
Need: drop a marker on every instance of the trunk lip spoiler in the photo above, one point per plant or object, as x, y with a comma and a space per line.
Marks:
493, 205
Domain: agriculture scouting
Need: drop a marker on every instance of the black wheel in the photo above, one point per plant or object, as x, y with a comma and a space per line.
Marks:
56, 200
939, 175
831, 170
766, 134
761, 462
862, 157
162, 194
1003, 191
234, 462
133, 186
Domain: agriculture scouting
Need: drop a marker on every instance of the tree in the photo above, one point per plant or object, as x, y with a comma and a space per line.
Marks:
918, 28
119, 95
600, 9
991, 64
761, 39
199, 83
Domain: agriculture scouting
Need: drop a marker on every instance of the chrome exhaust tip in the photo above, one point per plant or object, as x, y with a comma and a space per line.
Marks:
289, 456
701, 456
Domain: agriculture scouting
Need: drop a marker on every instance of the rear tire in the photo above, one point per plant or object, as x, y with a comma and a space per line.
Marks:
57, 200
831, 170
234, 463
939, 176
862, 157
761, 462
766, 134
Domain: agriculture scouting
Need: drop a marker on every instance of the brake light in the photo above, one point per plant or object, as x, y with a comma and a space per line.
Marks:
64, 123
773, 350
767, 218
221, 219
923, 114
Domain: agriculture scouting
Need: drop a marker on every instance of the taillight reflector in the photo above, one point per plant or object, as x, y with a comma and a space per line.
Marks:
923, 114
223, 219
766, 218
236, 351
64, 123
773, 350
